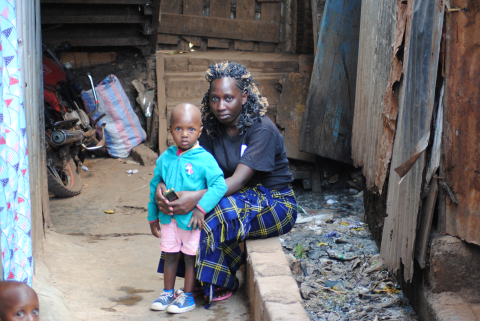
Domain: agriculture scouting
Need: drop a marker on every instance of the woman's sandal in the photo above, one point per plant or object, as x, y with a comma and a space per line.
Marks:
223, 297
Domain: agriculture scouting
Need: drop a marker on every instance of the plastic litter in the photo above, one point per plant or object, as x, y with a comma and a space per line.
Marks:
302, 220
331, 202
133, 171
332, 234
85, 168
109, 211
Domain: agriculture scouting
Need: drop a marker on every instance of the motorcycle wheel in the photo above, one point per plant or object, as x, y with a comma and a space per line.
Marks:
65, 183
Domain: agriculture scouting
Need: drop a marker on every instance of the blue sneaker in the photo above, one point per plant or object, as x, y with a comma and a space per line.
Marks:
163, 301
183, 303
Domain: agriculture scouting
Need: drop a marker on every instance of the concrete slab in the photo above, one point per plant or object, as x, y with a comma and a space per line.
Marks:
105, 264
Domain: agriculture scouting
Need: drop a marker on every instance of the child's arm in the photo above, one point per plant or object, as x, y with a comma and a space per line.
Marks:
155, 228
197, 219
216, 187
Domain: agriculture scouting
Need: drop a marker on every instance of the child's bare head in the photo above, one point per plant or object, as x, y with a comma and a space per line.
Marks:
186, 125
18, 301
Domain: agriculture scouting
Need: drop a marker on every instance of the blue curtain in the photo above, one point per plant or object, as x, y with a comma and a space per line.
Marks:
15, 208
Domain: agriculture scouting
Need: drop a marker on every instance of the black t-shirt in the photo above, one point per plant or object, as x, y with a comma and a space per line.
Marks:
260, 148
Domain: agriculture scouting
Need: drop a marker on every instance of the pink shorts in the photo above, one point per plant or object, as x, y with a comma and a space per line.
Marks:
175, 240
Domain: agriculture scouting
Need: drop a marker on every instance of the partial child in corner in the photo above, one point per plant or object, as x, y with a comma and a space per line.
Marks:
183, 167
18, 301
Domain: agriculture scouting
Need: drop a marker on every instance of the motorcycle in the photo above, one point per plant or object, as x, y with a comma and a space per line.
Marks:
69, 130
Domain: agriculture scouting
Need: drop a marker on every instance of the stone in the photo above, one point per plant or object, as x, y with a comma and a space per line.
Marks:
144, 155
306, 291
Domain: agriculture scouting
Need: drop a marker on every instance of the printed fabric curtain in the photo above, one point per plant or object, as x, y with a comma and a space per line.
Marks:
15, 209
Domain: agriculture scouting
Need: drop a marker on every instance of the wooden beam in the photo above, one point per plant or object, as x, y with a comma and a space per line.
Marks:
270, 12
219, 28
170, 6
245, 10
95, 42
154, 25
220, 8
193, 7
95, 19
161, 104
141, 2
426, 216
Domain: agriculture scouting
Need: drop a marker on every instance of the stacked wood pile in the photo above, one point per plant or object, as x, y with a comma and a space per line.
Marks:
250, 25
101, 23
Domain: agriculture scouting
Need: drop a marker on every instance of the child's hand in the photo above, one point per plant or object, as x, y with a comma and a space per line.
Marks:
155, 228
197, 219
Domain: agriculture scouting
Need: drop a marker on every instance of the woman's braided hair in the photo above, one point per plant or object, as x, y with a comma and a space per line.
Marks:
252, 110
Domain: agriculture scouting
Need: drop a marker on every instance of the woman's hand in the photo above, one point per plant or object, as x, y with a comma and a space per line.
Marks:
197, 219
155, 228
186, 201
162, 202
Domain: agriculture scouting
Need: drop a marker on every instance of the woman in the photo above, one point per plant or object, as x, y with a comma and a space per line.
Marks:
259, 202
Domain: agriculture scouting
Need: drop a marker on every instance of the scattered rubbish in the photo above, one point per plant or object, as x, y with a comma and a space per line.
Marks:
331, 202
332, 284
300, 210
333, 179
322, 217
141, 187
338, 256
85, 168
318, 254
133, 171
109, 211
332, 234
131, 162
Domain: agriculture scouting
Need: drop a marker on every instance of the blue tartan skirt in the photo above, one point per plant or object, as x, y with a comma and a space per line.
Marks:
251, 213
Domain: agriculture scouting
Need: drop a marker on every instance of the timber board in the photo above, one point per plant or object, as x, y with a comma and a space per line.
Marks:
245, 10
328, 118
415, 109
219, 28
377, 29
462, 118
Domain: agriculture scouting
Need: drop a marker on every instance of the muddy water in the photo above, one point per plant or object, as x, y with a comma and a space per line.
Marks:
131, 298
336, 264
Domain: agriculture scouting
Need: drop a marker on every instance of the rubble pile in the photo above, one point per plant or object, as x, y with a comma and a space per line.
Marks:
336, 264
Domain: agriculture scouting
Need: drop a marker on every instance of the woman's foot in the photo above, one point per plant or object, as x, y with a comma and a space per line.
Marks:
222, 293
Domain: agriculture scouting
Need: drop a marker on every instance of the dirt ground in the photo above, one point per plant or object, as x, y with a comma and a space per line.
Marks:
105, 264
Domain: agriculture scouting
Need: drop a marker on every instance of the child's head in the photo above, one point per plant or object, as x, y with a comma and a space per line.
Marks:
185, 125
18, 301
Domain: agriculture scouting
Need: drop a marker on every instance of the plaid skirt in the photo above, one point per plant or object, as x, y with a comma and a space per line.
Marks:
251, 213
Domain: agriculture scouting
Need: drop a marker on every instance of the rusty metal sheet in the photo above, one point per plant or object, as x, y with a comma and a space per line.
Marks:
461, 140
377, 30
328, 118
415, 109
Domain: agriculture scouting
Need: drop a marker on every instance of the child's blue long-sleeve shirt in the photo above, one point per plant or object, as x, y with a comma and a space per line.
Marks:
193, 170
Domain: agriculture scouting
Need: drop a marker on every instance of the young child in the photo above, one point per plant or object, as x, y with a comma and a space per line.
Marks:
184, 167
18, 301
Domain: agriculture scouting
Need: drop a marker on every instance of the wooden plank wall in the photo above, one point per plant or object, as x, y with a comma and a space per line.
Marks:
327, 121
377, 30
462, 119
415, 110
250, 30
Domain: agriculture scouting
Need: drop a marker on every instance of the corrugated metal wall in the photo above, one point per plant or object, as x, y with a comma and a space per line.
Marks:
30, 50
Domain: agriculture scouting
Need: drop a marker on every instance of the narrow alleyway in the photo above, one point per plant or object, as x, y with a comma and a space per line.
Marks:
105, 264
